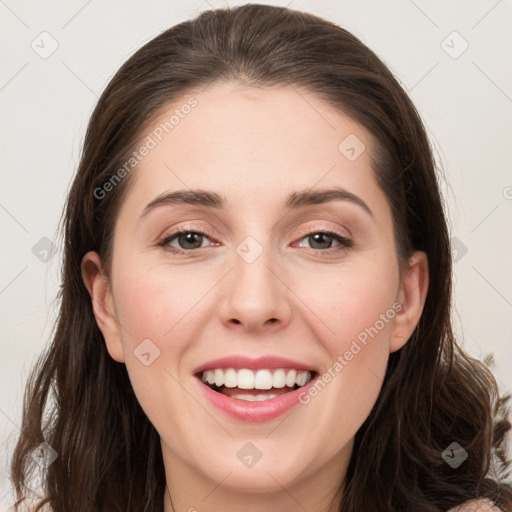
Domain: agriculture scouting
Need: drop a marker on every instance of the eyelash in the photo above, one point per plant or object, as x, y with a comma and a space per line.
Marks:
345, 242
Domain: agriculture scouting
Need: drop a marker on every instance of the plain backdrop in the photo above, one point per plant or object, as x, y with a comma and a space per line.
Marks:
452, 57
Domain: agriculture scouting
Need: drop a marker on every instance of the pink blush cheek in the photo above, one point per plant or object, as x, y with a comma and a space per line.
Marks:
147, 309
349, 309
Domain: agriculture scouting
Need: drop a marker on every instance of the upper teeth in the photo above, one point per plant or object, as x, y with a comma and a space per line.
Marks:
259, 379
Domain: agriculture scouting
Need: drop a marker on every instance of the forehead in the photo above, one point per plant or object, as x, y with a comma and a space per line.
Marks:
252, 145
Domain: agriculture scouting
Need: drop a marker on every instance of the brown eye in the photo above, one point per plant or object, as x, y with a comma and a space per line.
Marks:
187, 240
323, 240
320, 241
190, 240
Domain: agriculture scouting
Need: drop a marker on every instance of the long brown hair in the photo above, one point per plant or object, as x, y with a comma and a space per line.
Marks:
80, 401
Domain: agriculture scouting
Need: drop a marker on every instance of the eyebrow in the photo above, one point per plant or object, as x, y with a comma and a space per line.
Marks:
295, 200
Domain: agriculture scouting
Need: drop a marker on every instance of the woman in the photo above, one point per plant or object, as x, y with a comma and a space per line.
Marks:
209, 355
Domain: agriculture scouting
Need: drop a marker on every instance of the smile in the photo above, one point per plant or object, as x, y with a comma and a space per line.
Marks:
247, 384
251, 389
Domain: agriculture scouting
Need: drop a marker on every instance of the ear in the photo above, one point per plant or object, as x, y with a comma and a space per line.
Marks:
412, 294
98, 287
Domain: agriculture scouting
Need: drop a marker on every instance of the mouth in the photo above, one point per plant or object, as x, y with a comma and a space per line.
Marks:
255, 385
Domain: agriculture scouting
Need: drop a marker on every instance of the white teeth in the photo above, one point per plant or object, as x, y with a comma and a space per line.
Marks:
230, 378
302, 378
278, 379
263, 380
219, 377
259, 379
245, 379
210, 376
290, 378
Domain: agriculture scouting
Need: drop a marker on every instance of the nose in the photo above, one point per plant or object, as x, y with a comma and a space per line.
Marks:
253, 296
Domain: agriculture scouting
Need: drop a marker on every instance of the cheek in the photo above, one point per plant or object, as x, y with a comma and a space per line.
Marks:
347, 390
158, 310
156, 305
354, 303
356, 316
155, 311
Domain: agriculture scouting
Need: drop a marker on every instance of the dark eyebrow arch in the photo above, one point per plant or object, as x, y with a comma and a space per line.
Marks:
295, 200
308, 197
193, 197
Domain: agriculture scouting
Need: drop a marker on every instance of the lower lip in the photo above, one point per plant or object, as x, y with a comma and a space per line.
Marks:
266, 410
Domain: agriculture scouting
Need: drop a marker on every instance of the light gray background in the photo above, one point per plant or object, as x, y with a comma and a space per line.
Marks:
45, 104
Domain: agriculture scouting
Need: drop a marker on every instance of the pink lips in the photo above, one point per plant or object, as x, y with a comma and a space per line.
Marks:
243, 410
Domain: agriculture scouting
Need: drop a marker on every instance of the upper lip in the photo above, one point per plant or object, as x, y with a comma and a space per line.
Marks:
251, 363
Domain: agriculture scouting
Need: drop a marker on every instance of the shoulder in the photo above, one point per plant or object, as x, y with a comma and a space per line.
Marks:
476, 506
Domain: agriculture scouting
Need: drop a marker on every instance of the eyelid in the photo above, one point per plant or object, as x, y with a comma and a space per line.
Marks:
186, 229
319, 228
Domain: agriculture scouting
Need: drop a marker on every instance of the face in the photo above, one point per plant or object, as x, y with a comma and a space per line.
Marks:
267, 273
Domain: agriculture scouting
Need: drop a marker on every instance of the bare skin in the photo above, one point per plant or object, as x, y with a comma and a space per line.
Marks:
255, 147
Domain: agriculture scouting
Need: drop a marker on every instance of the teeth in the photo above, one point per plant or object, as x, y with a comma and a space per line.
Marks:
263, 380
230, 378
259, 379
245, 379
279, 379
219, 377
290, 378
302, 378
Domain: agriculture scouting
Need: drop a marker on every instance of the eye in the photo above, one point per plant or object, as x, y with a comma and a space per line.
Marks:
323, 240
188, 240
